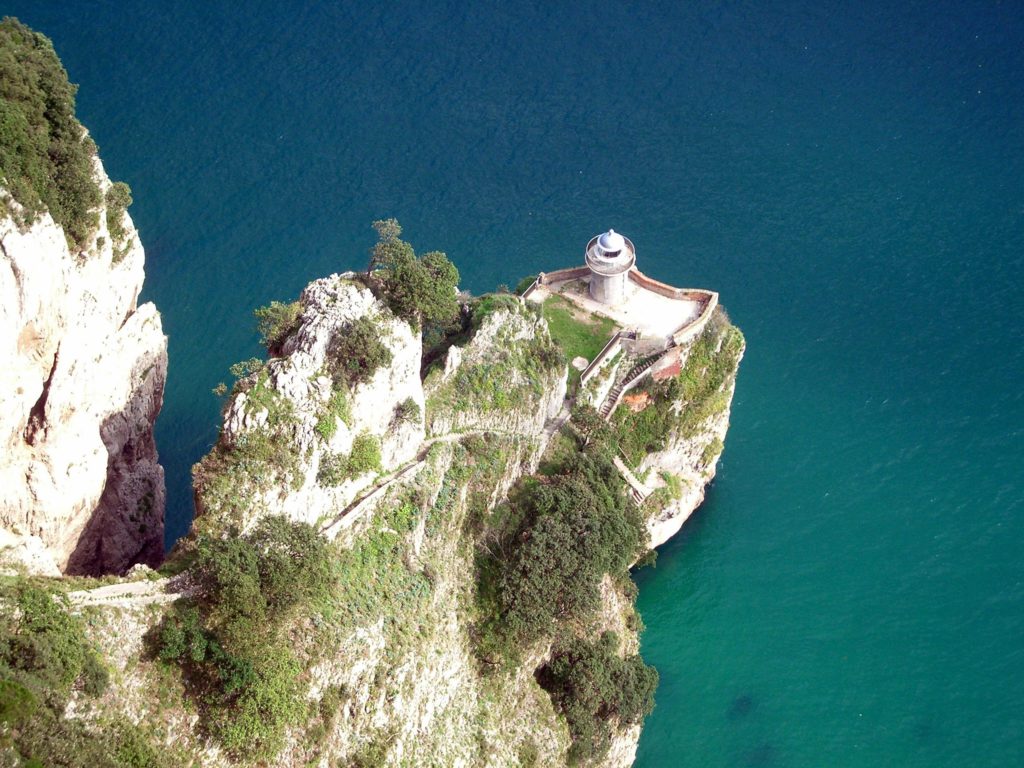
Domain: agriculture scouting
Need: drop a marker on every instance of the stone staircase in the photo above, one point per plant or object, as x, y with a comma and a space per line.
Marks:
635, 373
637, 490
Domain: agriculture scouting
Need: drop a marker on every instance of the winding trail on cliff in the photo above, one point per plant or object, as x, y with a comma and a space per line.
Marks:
132, 594
166, 590
354, 510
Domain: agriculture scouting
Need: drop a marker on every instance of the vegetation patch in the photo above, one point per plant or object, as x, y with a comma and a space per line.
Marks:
594, 688
712, 450
337, 409
543, 557
231, 641
364, 457
118, 198
45, 155
576, 332
523, 284
514, 374
683, 403
276, 322
437, 340
45, 659
228, 477
356, 352
488, 304
373, 580
408, 411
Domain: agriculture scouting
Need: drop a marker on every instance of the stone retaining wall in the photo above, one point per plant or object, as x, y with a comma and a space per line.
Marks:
572, 273
610, 349
693, 329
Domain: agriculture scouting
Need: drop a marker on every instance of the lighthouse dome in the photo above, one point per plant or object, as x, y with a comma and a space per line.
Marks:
611, 241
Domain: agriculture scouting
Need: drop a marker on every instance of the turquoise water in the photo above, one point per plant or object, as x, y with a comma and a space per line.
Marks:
851, 181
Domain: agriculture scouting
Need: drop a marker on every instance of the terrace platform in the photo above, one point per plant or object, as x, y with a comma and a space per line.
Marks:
652, 314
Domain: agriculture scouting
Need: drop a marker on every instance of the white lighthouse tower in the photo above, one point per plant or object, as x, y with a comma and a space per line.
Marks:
610, 256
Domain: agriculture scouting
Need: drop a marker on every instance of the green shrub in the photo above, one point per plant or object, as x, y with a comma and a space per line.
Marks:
408, 410
44, 656
559, 538
50, 739
17, 703
356, 352
592, 685
244, 368
337, 409
119, 197
365, 455
132, 749
674, 485
523, 284
373, 577
418, 290
276, 322
48, 645
333, 470
684, 403
267, 702
490, 303
326, 426
231, 643
228, 477
517, 374
712, 450
45, 155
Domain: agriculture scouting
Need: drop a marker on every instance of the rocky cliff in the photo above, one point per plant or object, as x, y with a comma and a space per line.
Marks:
367, 581
81, 384
699, 400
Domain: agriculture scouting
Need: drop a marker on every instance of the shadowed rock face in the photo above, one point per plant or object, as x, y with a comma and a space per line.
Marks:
127, 525
82, 372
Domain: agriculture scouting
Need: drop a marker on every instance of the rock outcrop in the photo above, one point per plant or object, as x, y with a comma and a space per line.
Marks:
81, 385
289, 403
502, 381
393, 667
684, 468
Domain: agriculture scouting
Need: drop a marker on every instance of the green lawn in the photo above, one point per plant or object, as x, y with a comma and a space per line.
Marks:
576, 332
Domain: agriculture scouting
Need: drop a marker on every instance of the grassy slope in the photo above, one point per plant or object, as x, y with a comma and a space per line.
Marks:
576, 336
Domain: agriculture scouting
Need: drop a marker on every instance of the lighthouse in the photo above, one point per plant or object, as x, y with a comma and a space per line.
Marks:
610, 256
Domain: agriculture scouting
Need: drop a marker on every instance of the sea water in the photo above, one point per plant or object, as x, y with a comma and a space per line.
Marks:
850, 179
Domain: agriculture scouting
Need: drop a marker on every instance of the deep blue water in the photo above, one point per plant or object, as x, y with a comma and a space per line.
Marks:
850, 179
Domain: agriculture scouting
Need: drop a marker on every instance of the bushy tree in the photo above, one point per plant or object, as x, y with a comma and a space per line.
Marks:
276, 322
238, 664
365, 455
575, 528
592, 686
45, 154
356, 351
591, 427
421, 291
44, 655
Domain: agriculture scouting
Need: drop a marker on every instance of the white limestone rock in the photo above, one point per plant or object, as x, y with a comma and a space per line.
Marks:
81, 382
299, 378
694, 461
532, 392
21, 553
